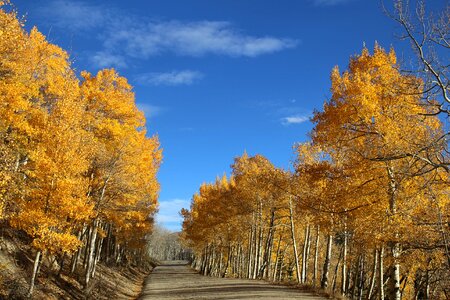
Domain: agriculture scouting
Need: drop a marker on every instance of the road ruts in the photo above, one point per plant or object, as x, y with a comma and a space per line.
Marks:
176, 280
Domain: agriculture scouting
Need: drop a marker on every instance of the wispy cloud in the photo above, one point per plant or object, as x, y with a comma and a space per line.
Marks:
185, 77
124, 35
107, 60
330, 2
193, 39
74, 15
298, 119
168, 214
150, 110
285, 112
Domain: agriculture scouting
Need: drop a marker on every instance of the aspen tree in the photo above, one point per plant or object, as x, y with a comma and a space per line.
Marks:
374, 120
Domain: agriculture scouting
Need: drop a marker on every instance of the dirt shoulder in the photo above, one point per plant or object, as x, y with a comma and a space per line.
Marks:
110, 282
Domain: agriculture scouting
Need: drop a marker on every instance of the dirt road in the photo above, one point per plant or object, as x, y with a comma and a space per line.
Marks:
176, 280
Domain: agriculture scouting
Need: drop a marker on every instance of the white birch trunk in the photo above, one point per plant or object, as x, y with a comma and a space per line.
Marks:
35, 270
294, 243
374, 274
91, 253
344, 266
381, 275
316, 256
326, 265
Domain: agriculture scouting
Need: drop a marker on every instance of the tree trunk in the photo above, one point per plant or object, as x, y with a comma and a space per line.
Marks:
374, 273
280, 271
258, 246
35, 270
326, 265
241, 261
381, 274
308, 249
250, 251
395, 275
108, 243
61, 265
230, 258
394, 290
336, 271
265, 267
305, 254
294, 243
91, 253
76, 255
344, 265
354, 278
88, 234
361, 277
275, 267
316, 256
97, 255
269, 259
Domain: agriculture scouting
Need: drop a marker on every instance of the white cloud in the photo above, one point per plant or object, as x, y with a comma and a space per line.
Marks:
130, 35
298, 119
330, 2
169, 213
193, 39
107, 60
150, 110
74, 15
185, 77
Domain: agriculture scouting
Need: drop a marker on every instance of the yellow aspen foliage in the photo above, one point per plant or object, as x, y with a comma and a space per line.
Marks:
124, 161
15, 91
376, 108
123, 187
75, 159
366, 183
55, 200
381, 136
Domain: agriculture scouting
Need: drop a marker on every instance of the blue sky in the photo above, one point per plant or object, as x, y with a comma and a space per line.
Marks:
216, 78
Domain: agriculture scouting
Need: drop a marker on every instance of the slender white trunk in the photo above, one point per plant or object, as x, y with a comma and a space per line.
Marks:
326, 265
35, 270
97, 255
275, 267
344, 265
394, 291
250, 251
91, 253
374, 274
308, 249
294, 243
305, 253
381, 275
316, 256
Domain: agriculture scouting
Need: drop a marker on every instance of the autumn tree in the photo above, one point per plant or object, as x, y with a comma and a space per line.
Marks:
371, 120
76, 164
42, 131
362, 186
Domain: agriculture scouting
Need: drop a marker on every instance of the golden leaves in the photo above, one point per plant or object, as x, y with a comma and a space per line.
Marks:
72, 151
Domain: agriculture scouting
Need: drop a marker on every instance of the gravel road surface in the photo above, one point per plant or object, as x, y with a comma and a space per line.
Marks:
176, 280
